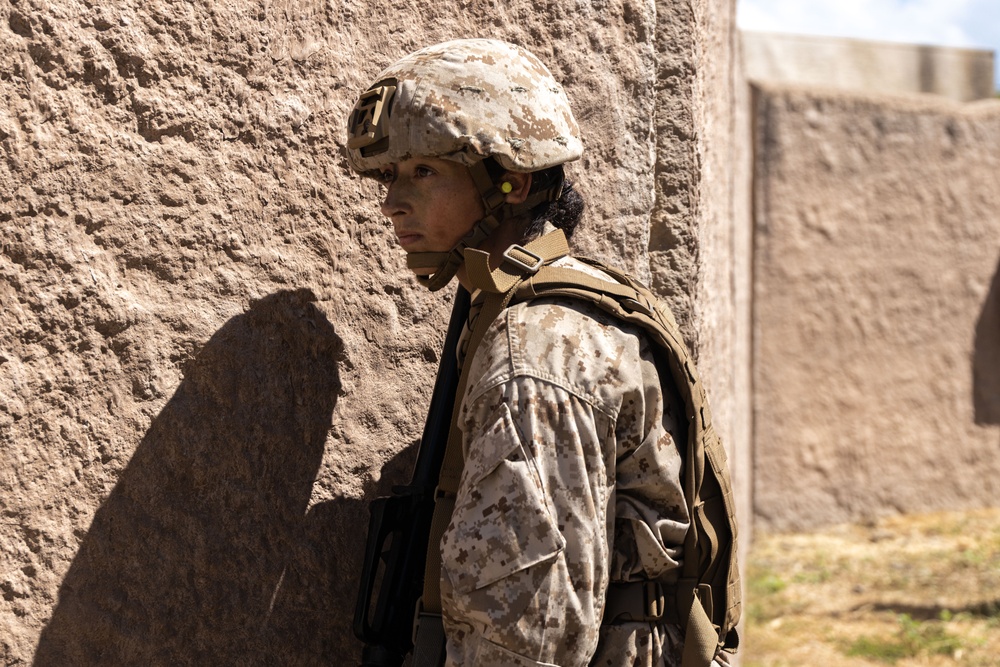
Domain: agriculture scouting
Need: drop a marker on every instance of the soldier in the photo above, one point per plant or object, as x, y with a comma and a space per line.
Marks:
571, 488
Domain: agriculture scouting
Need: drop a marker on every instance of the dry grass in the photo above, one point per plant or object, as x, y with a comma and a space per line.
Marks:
907, 591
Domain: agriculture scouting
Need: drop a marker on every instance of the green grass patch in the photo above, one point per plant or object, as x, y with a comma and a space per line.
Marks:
912, 639
816, 575
764, 587
877, 649
767, 583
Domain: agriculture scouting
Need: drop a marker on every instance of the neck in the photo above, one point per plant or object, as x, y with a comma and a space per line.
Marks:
506, 235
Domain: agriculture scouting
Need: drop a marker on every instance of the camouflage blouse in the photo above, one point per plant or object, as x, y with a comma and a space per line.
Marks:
571, 481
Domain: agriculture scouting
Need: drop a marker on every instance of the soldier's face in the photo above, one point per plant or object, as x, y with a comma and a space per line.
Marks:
432, 204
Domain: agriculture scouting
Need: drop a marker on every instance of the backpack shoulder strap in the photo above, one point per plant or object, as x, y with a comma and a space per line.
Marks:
495, 288
708, 593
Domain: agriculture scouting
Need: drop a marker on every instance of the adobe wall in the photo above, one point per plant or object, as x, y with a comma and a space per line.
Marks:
876, 327
211, 355
872, 66
722, 300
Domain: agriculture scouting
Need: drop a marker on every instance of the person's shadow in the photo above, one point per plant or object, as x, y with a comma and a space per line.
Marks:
986, 359
204, 554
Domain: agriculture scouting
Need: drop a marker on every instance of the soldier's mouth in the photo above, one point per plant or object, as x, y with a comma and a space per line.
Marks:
406, 240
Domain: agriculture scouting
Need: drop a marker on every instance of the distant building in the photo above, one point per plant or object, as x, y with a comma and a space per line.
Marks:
869, 66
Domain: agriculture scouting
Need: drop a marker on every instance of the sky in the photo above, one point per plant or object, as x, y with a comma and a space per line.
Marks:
965, 23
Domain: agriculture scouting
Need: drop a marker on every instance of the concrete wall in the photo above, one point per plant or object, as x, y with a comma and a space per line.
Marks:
869, 66
876, 334
211, 354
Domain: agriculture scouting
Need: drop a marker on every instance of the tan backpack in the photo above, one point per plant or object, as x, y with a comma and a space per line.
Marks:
706, 600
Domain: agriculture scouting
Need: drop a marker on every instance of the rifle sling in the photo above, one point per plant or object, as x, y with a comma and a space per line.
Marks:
507, 277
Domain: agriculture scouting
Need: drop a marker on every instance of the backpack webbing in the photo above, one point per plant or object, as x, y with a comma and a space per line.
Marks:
707, 594
710, 572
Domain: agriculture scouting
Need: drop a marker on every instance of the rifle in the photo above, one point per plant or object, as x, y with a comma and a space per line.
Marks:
399, 527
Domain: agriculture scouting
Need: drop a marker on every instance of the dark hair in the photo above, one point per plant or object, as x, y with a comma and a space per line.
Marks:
564, 213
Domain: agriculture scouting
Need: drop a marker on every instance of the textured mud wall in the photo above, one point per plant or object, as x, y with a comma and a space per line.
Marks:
876, 329
724, 239
211, 354
699, 245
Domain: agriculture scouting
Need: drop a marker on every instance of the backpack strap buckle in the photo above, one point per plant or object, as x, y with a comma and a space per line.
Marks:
523, 258
639, 601
518, 263
655, 600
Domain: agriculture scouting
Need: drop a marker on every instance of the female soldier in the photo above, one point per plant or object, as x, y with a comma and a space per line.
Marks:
571, 478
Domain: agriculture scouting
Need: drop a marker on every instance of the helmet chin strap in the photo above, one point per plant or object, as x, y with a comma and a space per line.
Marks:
446, 264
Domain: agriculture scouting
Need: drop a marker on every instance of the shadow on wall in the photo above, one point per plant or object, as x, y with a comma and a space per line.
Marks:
203, 554
986, 359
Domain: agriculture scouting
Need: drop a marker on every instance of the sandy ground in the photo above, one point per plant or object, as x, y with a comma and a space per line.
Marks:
906, 591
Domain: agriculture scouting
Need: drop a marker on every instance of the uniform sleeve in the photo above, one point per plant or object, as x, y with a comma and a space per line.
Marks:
525, 559
651, 517
571, 480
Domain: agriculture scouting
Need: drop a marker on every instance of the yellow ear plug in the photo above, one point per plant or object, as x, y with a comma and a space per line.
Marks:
506, 188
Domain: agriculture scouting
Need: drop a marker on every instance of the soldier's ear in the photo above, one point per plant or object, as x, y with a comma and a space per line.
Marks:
515, 185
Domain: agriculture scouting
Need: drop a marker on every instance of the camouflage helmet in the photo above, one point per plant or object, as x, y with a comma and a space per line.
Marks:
464, 100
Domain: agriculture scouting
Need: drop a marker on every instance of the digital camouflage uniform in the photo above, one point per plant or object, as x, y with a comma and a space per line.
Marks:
571, 474
571, 481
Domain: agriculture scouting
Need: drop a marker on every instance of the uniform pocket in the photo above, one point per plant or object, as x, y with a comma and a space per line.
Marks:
501, 523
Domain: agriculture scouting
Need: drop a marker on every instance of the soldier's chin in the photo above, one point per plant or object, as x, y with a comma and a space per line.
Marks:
423, 270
